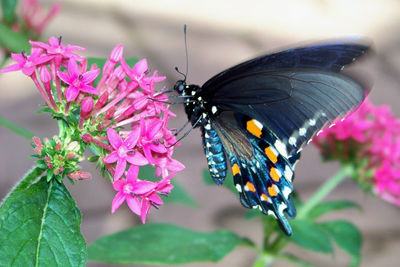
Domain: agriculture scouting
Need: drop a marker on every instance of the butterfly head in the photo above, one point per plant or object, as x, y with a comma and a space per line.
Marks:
180, 86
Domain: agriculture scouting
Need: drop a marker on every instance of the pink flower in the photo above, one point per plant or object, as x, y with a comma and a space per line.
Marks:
370, 134
124, 151
129, 190
151, 132
138, 74
78, 82
27, 64
57, 50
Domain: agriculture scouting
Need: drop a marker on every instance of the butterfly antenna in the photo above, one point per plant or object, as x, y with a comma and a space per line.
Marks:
186, 51
187, 56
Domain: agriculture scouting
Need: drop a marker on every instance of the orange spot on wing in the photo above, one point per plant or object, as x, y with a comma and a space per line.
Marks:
235, 169
274, 174
272, 192
264, 197
253, 128
271, 155
251, 187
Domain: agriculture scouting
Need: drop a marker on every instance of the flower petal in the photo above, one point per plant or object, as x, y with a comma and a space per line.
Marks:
131, 141
144, 209
132, 174
117, 201
119, 185
90, 76
112, 157
159, 148
137, 159
156, 199
133, 204
73, 69
114, 138
71, 93
89, 89
64, 77
143, 187
153, 129
12, 67
140, 67
120, 168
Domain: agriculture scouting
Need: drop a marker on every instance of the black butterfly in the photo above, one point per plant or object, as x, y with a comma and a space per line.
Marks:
260, 113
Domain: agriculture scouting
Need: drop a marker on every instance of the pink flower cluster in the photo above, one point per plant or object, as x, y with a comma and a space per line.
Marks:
34, 17
370, 134
121, 114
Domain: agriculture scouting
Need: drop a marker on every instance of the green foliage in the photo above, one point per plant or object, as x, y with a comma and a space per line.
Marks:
39, 226
329, 206
309, 235
163, 244
346, 236
8, 9
13, 41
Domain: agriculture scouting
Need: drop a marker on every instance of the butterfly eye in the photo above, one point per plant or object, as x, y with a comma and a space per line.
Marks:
179, 86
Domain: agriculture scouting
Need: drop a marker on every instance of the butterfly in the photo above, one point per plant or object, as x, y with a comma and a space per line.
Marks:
256, 117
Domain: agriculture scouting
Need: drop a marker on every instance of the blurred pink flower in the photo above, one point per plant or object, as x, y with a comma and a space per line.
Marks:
370, 134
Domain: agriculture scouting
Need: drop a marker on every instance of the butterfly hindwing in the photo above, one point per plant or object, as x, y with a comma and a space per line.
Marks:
261, 175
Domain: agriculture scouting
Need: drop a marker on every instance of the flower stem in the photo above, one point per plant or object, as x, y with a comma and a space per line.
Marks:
16, 129
324, 190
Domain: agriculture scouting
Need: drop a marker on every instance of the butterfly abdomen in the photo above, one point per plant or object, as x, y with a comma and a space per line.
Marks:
215, 154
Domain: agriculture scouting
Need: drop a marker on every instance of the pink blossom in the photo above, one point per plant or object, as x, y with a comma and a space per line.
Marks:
123, 151
78, 82
25, 63
138, 74
130, 189
151, 133
370, 133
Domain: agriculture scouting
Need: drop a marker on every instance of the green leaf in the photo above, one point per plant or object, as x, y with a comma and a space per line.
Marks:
8, 7
310, 236
329, 206
346, 236
208, 180
14, 41
179, 195
163, 244
39, 226
16, 128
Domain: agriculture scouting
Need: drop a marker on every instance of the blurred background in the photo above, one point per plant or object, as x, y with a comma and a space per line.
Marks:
220, 34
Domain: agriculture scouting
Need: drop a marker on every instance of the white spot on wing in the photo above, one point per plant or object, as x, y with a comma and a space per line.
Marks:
281, 147
288, 173
239, 188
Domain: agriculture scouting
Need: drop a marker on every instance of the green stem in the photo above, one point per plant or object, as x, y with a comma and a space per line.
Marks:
280, 242
324, 190
15, 128
264, 259
61, 128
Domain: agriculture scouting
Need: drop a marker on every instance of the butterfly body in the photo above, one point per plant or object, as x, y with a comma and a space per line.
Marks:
259, 114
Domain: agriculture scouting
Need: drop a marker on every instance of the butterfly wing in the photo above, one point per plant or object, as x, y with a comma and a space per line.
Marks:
328, 56
292, 104
262, 176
